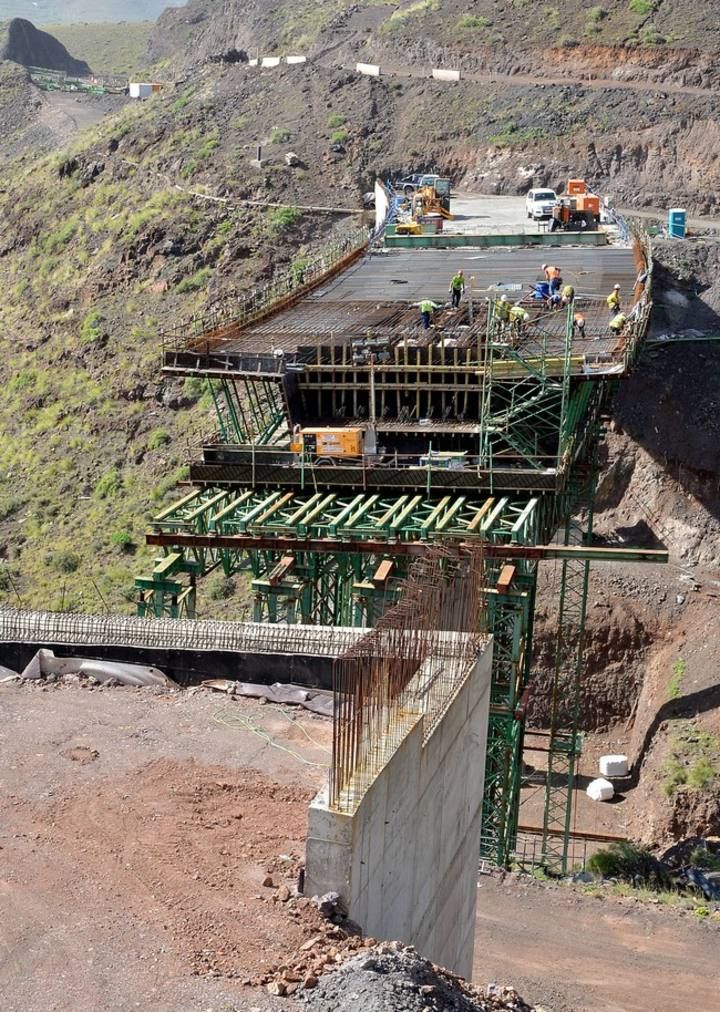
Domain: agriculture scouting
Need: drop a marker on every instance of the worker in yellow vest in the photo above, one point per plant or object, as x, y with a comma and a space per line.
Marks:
568, 294
502, 309
457, 288
613, 299
427, 308
618, 322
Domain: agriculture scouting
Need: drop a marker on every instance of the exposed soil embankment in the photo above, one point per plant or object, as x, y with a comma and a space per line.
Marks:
652, 658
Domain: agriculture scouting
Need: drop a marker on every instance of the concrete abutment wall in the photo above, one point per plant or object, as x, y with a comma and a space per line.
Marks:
405, 861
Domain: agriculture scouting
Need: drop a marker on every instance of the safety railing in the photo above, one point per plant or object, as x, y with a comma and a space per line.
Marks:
242, 308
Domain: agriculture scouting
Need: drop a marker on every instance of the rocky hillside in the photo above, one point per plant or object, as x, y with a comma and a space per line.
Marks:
23, 43
622, 93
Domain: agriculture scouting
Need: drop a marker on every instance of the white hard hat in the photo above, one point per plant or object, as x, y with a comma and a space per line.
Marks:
544, 266
616, 286
503, 298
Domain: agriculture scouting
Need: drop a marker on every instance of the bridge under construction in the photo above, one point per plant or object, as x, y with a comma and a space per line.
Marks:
350, 440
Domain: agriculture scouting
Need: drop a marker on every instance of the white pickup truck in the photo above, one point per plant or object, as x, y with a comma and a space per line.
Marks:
539, 203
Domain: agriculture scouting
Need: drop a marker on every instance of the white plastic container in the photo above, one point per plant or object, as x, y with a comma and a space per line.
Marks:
614, 765
600, 790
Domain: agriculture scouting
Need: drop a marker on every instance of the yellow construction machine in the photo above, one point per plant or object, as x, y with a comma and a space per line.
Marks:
433, 199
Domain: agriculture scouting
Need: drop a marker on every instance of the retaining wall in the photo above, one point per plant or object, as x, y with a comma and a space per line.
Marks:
406, 860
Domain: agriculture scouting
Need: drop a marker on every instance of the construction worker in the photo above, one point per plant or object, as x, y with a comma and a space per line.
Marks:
552, 274
568, 294
457, 288
502, 309
618, 322
613, 299
578, 325
427, 308
518, 316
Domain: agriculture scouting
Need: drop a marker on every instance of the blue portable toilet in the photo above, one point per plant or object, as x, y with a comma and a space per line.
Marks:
677, 222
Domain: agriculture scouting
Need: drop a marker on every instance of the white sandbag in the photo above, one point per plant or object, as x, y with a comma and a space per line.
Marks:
600, 790
614, 765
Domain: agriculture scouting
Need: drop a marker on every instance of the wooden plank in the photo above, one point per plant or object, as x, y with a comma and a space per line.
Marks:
507, 575
281, 570
382, 573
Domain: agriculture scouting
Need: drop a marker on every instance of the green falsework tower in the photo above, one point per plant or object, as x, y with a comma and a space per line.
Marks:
350, 438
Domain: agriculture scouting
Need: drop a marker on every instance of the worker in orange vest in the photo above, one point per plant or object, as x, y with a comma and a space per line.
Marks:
552, 274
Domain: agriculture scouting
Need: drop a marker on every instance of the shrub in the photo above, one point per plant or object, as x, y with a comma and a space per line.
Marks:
124, 541
90, 329
650, 36
194, 388
678, 673
472, 21
336, 120
61, 236
675, 776
170, 481
223, 590
282, 217
297, 270
339, 136
64, 561
641, 6
108, 485
196, 281
552, 16
158, 438
207, 147
700, 774
24, 380
630, 863
279, 135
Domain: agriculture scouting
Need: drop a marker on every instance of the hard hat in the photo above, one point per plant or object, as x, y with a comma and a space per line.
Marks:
461, 272
503, 298
616, 286
544, 266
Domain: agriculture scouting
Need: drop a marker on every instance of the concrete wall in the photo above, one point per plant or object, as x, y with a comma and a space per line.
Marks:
448, 239
406, 861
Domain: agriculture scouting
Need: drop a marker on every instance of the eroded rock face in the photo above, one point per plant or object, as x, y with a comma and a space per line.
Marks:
27, 45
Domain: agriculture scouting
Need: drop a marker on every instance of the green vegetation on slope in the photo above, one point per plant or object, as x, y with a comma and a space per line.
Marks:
94, 437
109, 48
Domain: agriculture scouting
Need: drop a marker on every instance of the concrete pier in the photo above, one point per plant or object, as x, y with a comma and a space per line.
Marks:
405, 860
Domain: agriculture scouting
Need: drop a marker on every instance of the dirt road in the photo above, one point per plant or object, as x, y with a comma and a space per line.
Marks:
568, 952
136, 829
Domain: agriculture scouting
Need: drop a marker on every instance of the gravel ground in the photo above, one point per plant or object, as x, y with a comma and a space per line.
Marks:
395, 979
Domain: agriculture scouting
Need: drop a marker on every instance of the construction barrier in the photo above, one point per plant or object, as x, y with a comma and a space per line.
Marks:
446, 75
368, 68
252, 63
296, 59
270, 61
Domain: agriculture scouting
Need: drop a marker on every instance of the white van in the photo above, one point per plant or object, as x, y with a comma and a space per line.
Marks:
539, 203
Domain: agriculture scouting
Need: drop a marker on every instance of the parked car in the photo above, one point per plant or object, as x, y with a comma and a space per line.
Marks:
539, 203
410, 184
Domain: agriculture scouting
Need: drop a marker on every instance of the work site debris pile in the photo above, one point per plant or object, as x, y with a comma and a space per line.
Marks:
392, 978
336, 969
